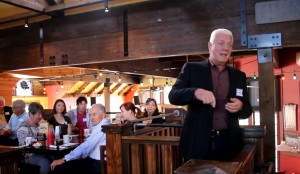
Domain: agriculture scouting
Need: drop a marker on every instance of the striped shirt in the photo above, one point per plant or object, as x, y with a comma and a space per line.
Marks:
91, 147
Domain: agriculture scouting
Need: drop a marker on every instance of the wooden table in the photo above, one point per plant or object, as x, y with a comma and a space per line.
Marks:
9, 160
57, 153
194, 166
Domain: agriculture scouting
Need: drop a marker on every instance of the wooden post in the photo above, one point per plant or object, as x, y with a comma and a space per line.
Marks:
114, 134
107, 94
267, 101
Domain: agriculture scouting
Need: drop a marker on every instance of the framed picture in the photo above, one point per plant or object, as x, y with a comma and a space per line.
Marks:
289, 114
291, 139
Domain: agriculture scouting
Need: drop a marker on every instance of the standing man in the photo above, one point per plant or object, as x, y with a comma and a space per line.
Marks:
19, 115
217, 97
80, 116
86, 157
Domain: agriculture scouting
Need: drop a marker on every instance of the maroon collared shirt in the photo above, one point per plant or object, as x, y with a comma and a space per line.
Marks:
221, 89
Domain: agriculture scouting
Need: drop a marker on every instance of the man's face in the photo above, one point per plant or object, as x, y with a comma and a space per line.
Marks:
95, 116
18, 110
82, 107
220, 49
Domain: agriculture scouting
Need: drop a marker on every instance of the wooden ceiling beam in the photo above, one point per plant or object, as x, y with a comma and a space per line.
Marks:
84, 84
70, 5
19, 16
27, 4
113, 90
93, 89
82, 3
124, 90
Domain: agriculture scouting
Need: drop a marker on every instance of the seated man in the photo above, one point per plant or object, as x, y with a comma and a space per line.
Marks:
86, 157
10, 131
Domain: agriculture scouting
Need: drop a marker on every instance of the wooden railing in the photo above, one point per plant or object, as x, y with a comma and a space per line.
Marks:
149, 150
155, 150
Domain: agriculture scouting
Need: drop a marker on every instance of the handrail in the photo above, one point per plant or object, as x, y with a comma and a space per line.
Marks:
175, 113
166, 140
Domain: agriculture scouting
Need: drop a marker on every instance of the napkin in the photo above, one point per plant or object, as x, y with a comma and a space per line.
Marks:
54, 147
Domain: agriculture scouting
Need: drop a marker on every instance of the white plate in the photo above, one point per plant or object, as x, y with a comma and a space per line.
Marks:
37, 145
69, 144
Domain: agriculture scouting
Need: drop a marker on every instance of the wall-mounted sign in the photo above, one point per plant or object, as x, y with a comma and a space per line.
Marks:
24, 88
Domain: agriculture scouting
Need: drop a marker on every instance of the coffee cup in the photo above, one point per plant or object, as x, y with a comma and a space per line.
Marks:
28, 141
86, 133
67, 138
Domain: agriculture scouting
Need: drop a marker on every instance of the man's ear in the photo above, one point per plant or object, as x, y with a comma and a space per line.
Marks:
209, 44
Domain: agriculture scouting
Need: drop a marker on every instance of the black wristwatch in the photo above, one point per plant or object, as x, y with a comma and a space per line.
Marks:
65, 159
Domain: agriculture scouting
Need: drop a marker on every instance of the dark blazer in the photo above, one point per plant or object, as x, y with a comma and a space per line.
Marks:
196, 133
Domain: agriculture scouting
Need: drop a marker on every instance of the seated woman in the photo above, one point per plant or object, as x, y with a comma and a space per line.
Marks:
152, 110
30, 128
59, 118
130, 112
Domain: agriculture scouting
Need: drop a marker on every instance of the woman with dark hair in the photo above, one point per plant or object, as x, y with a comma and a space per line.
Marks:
130, 112
59, 118
151, 109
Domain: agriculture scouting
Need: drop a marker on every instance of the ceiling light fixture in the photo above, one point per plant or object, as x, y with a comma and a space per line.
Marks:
26, 23
106, 9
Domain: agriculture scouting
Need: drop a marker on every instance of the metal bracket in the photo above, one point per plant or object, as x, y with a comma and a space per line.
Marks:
243, 23
52, 61
125, 31
264, 55
264, 40
41, 45
64, 59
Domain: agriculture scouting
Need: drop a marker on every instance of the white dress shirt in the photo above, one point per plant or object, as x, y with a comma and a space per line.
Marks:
90, 147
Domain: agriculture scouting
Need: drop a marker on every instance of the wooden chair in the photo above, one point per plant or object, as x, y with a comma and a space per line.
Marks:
103, 159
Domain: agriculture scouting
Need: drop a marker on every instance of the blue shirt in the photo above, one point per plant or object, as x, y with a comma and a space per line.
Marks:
91, 147
14, 123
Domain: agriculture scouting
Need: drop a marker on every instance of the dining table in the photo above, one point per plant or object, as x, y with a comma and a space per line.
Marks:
57, 152
9, 165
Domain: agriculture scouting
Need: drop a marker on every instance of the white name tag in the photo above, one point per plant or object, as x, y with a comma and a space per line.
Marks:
84, 119
239, 92
21, 120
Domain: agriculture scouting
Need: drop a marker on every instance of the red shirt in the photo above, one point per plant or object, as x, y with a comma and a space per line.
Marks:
221, 90
81, 120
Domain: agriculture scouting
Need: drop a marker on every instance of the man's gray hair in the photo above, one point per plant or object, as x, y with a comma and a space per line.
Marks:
19, 103
100, 107
220, 30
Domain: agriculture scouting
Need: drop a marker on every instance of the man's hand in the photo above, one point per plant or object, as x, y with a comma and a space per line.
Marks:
56, 162
234, 105
207, 97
